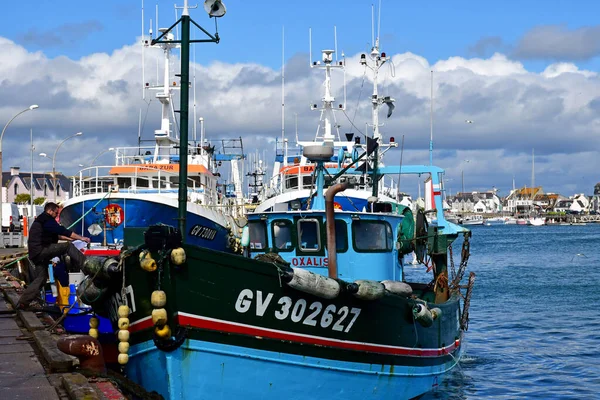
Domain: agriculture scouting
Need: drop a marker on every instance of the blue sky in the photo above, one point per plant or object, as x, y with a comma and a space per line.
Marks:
524, 71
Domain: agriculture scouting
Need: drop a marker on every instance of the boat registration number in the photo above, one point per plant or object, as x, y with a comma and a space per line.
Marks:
300, 311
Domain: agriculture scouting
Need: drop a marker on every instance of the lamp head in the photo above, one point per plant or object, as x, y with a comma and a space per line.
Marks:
79, 134
43, 155
33, 106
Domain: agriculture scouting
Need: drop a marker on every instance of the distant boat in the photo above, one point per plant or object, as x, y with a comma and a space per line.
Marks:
472, 220
510, 221
536, 221
495, 221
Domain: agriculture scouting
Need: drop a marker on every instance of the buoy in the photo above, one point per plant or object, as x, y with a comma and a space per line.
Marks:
245, 236
369, 290
436, 313
123, 311
123, 335
163, 332
148, 264
123, 347
158, 298
422, 315
123, 358
94, 322
311, 283
159, 316
93, 332
89, 293
398, 288
123, 323
144, 254
178, 256
92, 266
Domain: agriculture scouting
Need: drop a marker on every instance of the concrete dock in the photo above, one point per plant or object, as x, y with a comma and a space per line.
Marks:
31, 366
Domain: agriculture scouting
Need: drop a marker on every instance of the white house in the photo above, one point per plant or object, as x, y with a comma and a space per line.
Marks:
15, 182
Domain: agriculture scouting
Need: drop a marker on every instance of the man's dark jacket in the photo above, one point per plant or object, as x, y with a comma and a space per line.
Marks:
44, 232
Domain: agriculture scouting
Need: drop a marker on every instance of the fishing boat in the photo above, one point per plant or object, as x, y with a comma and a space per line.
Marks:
291, 186
316, 306
141, 187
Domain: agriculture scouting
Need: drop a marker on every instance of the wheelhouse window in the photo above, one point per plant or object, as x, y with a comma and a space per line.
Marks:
291, 182
282, 235
372, 235
307, 181
341, 236
258, 235
309, 238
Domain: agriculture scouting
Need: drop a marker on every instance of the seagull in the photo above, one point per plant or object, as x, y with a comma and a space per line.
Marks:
578, 255
468, 121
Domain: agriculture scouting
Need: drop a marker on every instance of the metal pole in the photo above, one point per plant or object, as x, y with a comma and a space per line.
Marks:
183, 119
54, 160
31, 183
31, 107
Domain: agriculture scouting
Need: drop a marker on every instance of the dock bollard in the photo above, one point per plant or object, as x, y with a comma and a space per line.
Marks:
87, 349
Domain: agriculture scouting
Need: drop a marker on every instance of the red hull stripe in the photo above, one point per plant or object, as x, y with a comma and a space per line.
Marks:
196, 321
100, 253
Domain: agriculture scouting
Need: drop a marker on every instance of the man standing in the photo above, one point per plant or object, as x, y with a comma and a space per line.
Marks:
43, 245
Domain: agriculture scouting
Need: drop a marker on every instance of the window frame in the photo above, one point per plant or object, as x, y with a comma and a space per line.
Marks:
389, 246
265, 233
293, 240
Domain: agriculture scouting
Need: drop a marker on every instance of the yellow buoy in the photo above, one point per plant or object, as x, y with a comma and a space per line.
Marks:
178, 256
159, 316
164, 332
123, 347
123, 335
94, 322
148, 264
123, 323
144, 254
158, 298
123, 358
123, 311
93, 332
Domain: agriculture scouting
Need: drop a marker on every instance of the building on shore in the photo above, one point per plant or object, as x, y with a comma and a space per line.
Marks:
16, 182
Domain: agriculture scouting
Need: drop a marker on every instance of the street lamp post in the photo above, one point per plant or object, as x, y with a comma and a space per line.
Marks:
54, 159
99, 154
31, 107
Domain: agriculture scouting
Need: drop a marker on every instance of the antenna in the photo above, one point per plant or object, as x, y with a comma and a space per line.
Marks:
378, 20
310, 47
431, 124
335, 41
372, 25
143, 62
282, 83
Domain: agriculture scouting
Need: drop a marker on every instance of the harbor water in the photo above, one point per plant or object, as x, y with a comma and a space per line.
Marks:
534, 329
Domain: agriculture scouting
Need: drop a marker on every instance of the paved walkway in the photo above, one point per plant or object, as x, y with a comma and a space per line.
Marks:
21, 374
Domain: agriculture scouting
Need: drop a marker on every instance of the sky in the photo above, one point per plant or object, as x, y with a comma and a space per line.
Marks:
524, 73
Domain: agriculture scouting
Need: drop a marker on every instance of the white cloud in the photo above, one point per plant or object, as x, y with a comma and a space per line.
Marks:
513, 109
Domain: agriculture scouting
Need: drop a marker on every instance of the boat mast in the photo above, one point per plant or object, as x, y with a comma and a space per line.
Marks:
214, 9
378, 59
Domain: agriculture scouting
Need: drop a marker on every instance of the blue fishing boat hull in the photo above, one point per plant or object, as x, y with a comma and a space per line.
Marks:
225, 372
138, 213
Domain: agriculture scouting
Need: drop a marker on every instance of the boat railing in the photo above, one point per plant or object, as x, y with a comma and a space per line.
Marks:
287, 182
138, 179
157, 155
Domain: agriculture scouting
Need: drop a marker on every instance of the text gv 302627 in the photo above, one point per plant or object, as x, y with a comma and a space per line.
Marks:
299, 311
